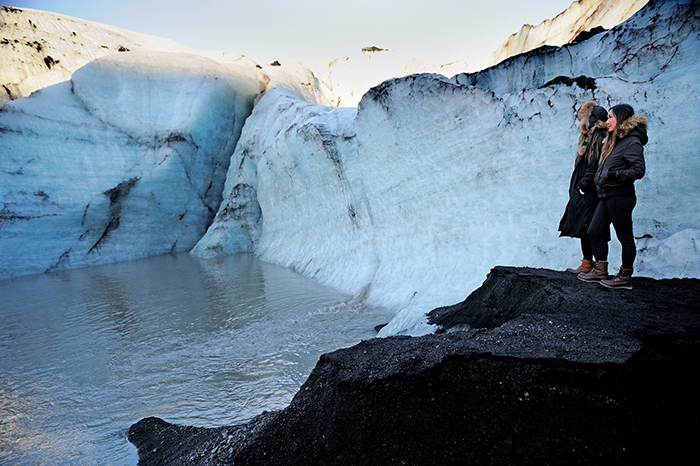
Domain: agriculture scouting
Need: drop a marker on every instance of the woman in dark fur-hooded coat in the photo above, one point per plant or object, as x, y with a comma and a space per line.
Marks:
621, 164
583, 198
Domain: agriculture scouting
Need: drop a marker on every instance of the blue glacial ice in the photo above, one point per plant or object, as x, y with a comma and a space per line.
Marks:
126, 160
433, 181
407, 200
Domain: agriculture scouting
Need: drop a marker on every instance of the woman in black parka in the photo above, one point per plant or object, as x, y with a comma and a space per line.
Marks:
583, 198
621, 164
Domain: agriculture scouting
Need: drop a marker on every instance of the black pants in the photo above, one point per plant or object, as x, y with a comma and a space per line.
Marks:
618, 211
586, 249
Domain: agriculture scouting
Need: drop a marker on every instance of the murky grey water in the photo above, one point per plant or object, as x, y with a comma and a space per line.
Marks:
86, 353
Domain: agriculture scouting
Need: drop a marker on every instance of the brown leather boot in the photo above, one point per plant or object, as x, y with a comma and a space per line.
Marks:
585, 267
622, 280
599, 272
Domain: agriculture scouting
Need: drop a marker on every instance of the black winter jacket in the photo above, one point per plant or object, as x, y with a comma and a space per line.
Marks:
580, 208
625, 164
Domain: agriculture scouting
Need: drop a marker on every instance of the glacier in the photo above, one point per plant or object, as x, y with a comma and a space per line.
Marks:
128, 158
39, 49
583, 17
413, 197
125, 160
406, 200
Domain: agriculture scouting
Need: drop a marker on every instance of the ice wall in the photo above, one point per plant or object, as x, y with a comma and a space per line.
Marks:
637, 51
39, 48
435, 180
580, 17
294, 194
127, 159
351, 76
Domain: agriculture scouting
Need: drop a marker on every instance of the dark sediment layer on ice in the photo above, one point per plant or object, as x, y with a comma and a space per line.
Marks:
534, 367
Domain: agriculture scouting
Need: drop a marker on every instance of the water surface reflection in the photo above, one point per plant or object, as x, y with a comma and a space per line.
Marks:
85, 353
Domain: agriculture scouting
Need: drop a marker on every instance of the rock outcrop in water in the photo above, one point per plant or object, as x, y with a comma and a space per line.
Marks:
535, 367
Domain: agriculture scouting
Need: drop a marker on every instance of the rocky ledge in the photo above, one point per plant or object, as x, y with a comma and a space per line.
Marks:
534, 367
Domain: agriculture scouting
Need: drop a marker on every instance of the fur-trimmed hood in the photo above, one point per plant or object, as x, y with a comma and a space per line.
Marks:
583, 141
593, 114
584, 112
600, 124
590, 115
636, 125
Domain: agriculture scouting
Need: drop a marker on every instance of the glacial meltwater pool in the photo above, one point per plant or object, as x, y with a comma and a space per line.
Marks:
86, 353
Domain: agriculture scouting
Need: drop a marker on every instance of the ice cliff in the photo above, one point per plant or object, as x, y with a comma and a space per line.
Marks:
407, 200
413, 198
125, 160
128, 158
39, 49
582, 18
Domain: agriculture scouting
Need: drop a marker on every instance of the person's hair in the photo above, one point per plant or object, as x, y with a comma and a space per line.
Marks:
594, 141
608, 144
590, 115
621, 112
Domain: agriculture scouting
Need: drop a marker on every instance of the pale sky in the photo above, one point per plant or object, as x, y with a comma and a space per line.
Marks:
316, 31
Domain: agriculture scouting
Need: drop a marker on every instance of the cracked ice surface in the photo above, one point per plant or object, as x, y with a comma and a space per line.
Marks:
446, 180
581, 16
639, 50
297, 164
126, 160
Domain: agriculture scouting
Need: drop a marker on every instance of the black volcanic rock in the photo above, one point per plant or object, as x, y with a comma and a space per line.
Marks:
509, 293
584, 82
585, 35
535, 367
